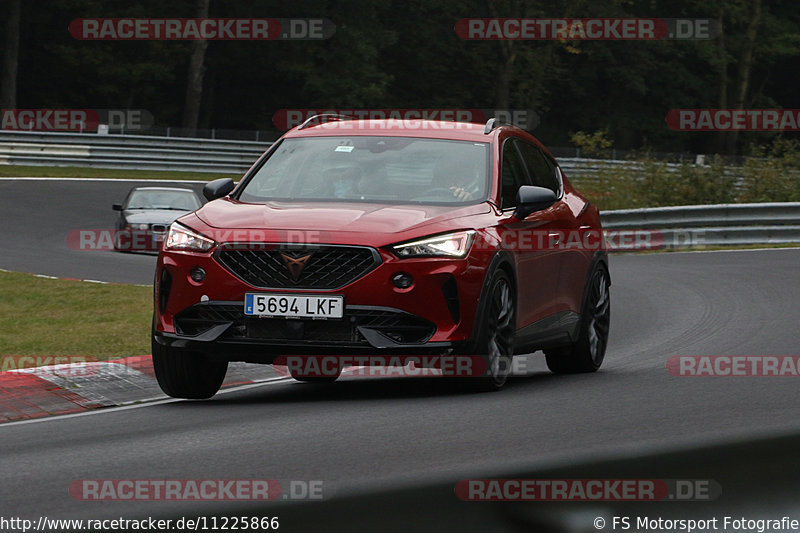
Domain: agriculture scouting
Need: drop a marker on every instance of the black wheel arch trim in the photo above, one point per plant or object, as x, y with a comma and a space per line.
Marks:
500, 258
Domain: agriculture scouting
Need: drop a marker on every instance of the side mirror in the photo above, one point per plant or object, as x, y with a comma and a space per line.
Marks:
217, 188
531, 199
117, 207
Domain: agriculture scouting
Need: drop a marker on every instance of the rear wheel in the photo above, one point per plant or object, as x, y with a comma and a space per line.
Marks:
496, 338
587, 352
189, 375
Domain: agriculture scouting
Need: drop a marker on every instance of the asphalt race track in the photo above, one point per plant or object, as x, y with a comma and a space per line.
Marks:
37, 215
359, 434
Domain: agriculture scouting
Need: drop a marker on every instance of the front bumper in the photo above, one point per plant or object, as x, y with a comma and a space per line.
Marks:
378, 327
220, 330
435, 314
129, 240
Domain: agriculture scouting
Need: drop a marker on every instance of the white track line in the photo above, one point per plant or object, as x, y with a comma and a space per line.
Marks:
146, 403
76, 279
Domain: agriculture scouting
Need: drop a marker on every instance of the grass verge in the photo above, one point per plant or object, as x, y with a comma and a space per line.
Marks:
83, 172
40, 316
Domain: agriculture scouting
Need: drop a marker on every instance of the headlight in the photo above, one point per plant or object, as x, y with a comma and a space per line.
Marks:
140, 227
182, 238
450, 245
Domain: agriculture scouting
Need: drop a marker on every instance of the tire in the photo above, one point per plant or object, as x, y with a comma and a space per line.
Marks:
117, 241
495, 339
586, 354
189, 375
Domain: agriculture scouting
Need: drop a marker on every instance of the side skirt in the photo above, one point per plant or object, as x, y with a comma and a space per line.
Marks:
558, 329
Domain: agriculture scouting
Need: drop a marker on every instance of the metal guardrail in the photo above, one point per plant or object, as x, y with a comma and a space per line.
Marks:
709, 225
588, 168
138, 152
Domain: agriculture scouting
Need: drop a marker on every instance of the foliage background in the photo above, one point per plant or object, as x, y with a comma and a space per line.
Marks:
405, 54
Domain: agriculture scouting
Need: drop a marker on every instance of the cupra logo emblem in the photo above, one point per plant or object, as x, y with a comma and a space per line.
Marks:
295, 265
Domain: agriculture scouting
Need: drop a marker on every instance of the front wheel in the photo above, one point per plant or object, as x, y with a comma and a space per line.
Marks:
587, 352
495, 341
182, 374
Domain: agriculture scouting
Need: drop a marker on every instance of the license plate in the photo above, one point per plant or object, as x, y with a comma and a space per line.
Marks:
293, 305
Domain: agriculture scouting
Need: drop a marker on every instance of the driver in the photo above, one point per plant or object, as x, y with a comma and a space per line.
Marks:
344, 181
458, 176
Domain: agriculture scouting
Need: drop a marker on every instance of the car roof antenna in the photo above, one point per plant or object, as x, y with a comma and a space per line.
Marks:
493, 123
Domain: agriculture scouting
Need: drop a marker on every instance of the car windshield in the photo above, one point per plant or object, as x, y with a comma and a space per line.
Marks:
159, 199
372, 169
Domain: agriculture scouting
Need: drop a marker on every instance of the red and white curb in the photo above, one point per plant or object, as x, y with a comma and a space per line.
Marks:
59, 389
72, 388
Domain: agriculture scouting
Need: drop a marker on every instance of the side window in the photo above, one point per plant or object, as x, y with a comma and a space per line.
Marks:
542, 170
512, 174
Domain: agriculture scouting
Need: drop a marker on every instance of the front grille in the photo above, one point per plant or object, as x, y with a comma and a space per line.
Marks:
298, 267
399, 326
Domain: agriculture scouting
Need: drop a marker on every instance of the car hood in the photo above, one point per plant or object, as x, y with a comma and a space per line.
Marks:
152, 216
363, 218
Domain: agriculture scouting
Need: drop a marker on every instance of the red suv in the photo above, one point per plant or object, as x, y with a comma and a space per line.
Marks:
384, 237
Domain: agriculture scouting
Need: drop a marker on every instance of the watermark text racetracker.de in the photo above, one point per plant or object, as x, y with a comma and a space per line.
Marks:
734, 119
608, 489
734, 365
388, 366
155, 490
286, 119
210, 29
148, 239
592, 240
586, 29
67, 365
79, 120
